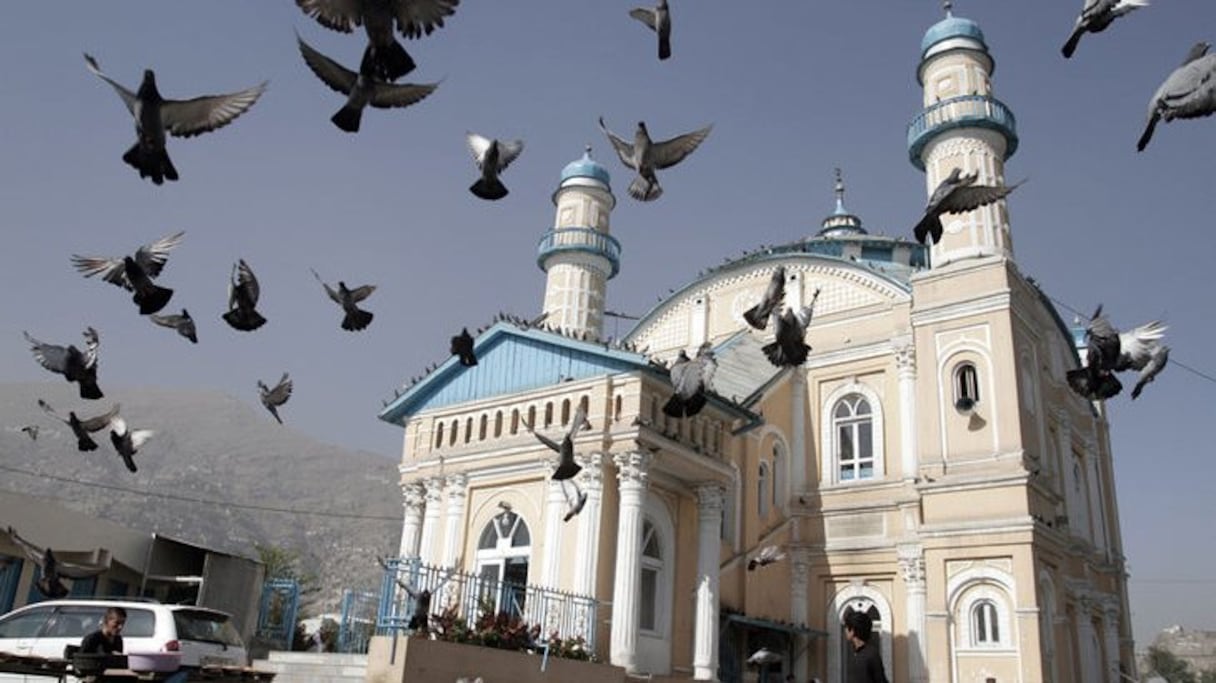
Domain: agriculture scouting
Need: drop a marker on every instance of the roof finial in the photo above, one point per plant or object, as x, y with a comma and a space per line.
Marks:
587, 150
839, 192
948, 5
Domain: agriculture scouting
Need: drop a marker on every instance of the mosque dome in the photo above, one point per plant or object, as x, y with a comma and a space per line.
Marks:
581, 170
950, 33
841, 223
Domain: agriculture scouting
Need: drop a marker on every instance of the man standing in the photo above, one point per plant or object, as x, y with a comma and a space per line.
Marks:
864, 662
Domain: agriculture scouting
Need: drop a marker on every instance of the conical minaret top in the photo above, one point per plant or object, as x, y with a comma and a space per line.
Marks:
962, 126
578, 255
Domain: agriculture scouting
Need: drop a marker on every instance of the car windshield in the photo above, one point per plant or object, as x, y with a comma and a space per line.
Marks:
209, 627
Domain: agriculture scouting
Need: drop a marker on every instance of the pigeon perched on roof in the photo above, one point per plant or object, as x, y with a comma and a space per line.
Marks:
183, 323
81, 429
413, 18
956, 194
1109, 351
658, 18
789, 348
362, 88
492, 156
31, 431
462, 347
1095, 17
53, 569
75, 365
243, 294
273, 398
691, 378
646, 156
355, 318
757, 316
135, 273
127, 441
765, 557
1188, 93
566, 466
156, 116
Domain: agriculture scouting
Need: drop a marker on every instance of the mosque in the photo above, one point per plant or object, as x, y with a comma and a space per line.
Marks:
927, 465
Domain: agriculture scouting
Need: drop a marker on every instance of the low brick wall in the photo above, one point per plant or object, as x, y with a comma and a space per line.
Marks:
418, 660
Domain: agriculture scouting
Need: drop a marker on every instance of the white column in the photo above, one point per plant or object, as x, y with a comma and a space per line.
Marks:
453, 540
411, 526
1091, 669
800, 576
1110, 631
427, 547
591, 479
905, 364
632, 477
1097, 510
709, 552
555, 509
797, 461
912, 567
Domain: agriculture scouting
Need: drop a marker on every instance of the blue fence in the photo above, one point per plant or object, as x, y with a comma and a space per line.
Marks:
277, 616
359, 611
568, 614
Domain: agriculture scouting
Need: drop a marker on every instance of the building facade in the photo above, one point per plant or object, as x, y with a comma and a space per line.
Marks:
927, 465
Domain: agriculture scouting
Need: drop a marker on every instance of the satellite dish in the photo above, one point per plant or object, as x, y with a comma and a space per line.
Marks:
964, 405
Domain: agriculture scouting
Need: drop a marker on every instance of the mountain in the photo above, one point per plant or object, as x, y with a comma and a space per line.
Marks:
210, 446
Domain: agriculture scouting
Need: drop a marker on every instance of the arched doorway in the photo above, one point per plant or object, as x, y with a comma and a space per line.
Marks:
503, 551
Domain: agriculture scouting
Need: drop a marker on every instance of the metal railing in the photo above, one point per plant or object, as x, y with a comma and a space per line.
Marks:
568, 614
967, 110
580, 239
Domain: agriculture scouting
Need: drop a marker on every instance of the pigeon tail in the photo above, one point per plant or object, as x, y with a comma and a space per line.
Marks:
389, 61
244, 320
1093, 385
468, 359
153, 299
929, 225
348, 118
757, 317
1071, 45
664, 48
1148, 132
89, 388
643, 190
783, 357
357, 319
52, 589
275, 413
577, 508
684, 407
152, 163
566, 470
86, 443
489, 188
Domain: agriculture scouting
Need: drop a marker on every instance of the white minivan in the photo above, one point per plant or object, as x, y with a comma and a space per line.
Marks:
202, 635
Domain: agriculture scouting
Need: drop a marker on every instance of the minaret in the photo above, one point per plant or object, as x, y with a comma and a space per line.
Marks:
962, 126
578, 255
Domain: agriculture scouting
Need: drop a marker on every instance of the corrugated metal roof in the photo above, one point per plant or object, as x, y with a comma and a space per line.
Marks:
743, 369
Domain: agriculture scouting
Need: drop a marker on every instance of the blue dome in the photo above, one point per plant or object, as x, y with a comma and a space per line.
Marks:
952, 27
585, 167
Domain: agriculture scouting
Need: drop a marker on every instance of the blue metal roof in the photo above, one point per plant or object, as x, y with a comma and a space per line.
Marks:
951, 27
586, 167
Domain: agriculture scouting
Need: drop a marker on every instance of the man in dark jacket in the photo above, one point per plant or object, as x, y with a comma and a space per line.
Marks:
864, 662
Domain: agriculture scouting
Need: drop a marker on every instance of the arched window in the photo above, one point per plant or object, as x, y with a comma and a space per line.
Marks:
966, 386
853, 425
779, 466
481, 431
652, 568
548, 414
616, 410
514, 421
438, 435
985, 624
468, 429
497, 424
454, 430
565, 412
762, 490
503, 551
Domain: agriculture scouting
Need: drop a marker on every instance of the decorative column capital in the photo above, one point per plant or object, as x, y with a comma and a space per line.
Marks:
457, 485
711, 498
905, 357
633, 468
414, 496
434, 490
592, 474
912, 563
1061, 416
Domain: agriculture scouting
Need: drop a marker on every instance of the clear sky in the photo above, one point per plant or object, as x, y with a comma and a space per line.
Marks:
793, 89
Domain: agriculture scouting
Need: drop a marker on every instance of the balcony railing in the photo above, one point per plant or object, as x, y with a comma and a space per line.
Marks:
580, 239
568, 614
978, 111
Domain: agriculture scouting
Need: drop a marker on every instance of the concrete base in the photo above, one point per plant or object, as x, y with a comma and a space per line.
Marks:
418, 660
310, 667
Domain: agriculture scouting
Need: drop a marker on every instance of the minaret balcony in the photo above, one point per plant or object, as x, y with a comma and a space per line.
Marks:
583, 240
967, 111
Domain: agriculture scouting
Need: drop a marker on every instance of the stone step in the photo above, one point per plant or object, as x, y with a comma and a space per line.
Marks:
310, 667
319, 657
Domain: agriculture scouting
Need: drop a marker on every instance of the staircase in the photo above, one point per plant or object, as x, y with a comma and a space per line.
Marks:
314, 667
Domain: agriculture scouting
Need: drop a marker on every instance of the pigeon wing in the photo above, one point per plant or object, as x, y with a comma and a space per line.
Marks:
339, 15
1138, 344
96, 424
555, 446
624, 149
128, 98
360, 293
391, 96
478, 145
32, 552
152, 257
140, 437
51, 356
416, 18
186, 118
79, 570
281, 391
972, 197
709, 367
644, 15
51, 411
247, 280
166, 320
671, 152
91, 342
509, 151
331, 73
685, 377
110, 269
580, 419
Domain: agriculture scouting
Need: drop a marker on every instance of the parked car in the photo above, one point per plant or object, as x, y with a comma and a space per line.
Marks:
202, 635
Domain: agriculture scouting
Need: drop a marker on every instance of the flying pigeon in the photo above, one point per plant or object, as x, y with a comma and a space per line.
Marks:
53, 570
566, 466
243, 293
956, 194
767, 556
127, 441
580, 500
75, 365
1188, 93
757, 316
155, 116
183, 323
1109, 351
492, 157
356, 318
31, 431
788, 348
462, 346
1096, 16
646, 156
82, 428
273, 398
414, 18
691, 378
764, 656
658, 18
362, 88
135, 273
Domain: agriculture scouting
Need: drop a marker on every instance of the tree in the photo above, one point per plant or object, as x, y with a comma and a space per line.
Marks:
1207, 676
1166, 664
282, 563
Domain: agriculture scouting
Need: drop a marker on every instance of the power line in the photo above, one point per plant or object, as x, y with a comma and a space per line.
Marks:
201, 501
1174, 581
